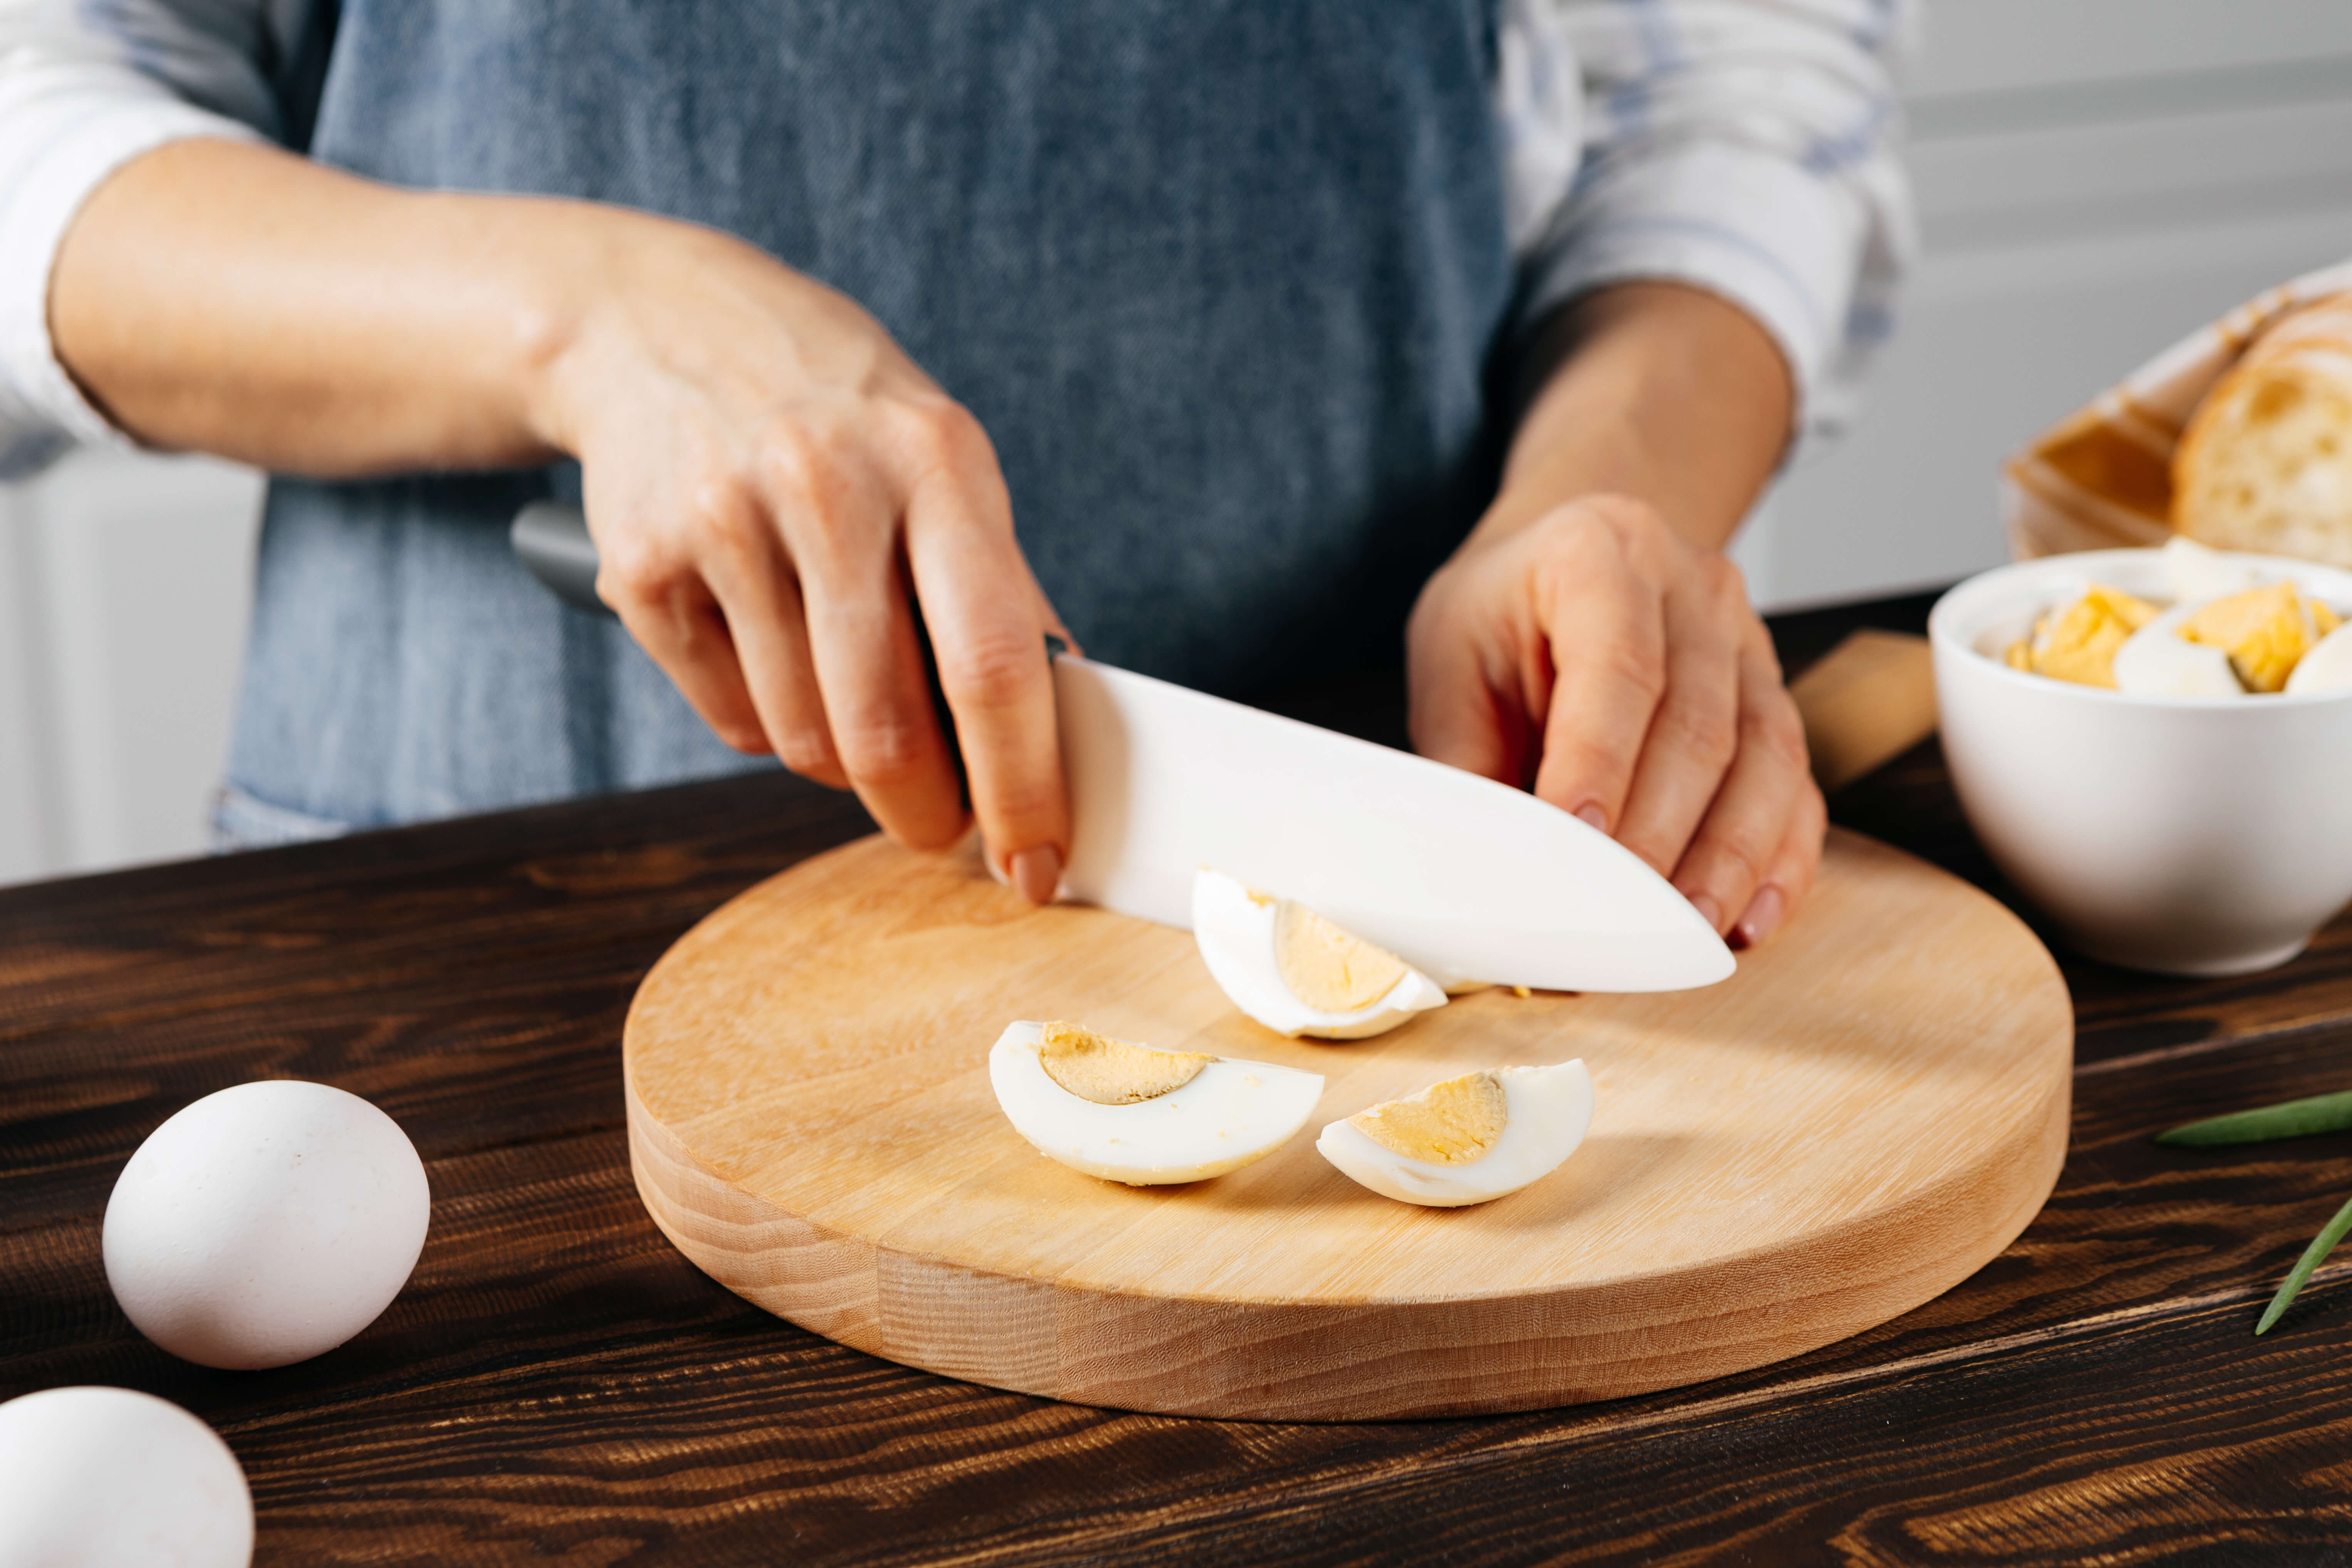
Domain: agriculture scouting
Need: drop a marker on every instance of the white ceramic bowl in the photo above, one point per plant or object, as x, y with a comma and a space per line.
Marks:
2194, 836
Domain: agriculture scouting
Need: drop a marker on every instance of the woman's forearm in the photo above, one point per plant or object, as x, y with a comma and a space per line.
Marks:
220, 297
783, 503
1652, 390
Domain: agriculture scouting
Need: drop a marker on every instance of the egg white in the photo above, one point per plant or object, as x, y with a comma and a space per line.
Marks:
2158, 661
1236, 933
2199, 575
1546, 1113
2326, 667
1233, 1113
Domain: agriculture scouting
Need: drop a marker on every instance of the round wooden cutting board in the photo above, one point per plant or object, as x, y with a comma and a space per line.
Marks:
1868, 1111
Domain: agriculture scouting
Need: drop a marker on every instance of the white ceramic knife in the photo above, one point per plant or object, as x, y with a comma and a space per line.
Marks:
1461, 878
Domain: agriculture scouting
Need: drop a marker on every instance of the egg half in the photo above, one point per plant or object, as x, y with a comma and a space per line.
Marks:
2265, 631
1467, 1139
2326, 667
1129, 1113
2158, 661
2077, 640
1297, 973
2199, 574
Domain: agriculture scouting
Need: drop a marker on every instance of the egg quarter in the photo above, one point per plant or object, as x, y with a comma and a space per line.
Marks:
1465, 1140
1144, 1123
1297, 972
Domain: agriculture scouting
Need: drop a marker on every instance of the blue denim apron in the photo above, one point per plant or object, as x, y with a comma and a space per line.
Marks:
1221, 277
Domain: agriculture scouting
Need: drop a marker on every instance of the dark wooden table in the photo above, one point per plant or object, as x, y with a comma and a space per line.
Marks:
557, 1383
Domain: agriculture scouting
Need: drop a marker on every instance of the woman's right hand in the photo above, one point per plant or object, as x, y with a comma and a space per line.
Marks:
775, 490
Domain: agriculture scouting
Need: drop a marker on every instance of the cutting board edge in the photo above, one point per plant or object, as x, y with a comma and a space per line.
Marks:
1451, 1356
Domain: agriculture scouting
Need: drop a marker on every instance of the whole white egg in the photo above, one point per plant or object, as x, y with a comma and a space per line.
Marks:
265, 1224
103, 1477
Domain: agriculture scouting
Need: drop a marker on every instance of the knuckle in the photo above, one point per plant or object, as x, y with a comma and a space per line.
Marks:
747, 739
1777, 732
723, 517
991, 672
1707, 738
1741, 855
1635, 668
1020, 801
932, 436
634, 571
1577, 532
1813, 814
1726, 587
882, 752
1638, 526
1595, 766
808, 751
945, 434
804, 467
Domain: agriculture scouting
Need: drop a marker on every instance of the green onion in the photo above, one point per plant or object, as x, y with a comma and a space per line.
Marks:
2290, 1118
2321, 1245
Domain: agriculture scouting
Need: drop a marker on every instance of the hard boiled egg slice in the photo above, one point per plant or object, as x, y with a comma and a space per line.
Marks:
1297, 973
2158, 661
2326, 667
2077, 639
2265, 631
1467, 1139
1128, 1113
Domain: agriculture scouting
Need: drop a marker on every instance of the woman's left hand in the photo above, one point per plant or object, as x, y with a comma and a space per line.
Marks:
1592, 655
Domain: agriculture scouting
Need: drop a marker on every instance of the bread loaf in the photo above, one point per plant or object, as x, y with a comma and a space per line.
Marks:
2266, 461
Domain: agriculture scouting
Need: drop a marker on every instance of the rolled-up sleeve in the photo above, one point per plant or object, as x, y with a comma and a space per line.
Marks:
83, 90
1749, 149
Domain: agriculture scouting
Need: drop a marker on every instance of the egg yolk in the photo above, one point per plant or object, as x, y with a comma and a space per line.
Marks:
2079, 642
2263, 630
1112, 1072
1330, 970
1448, 1123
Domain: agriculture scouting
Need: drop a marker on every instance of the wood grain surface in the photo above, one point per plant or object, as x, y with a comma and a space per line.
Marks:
1858, 1120
558, 1383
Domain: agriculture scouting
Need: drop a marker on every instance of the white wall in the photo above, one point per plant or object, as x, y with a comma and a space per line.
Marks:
124, 582
2096, 178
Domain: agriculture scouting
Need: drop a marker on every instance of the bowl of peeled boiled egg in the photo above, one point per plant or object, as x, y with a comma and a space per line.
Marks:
2156, 747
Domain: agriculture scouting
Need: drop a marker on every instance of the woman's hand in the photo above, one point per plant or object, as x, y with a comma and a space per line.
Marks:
1594, 656
775, 488
1589, 642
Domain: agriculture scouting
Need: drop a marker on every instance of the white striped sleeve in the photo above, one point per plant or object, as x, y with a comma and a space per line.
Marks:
1747, 147
72, 113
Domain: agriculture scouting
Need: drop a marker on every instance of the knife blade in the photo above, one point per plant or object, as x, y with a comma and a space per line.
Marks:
1463, 877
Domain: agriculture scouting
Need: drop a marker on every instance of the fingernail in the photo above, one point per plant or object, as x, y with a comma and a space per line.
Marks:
1709, 911
1037, 872
1763, 916
1593, 816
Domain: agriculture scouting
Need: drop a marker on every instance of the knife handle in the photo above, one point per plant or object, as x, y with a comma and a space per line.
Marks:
552, 540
